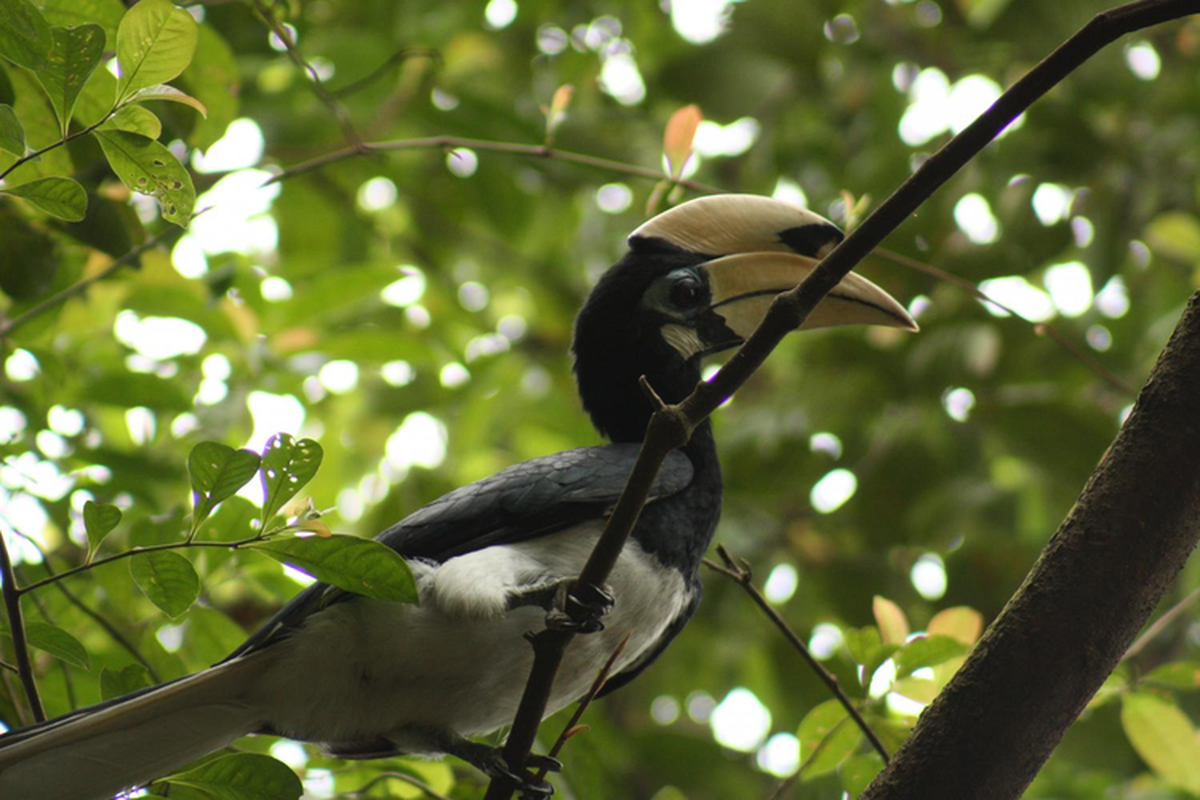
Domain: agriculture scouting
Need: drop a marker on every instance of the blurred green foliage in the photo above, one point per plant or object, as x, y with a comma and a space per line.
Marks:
416, 308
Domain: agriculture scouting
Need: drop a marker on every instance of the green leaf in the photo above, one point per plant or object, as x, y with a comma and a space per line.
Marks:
1175, 234
1164, 737
146, 166
862, 642
287, 466
58, 197
58, 643
926, 651
829, 724
135, 119
131, 389
362, 566
12, 135
857, 772
25, 37
66, 13
99, 520
119, 682
165, 92
1183, 675
217, 471
74, 56
167, 578
155, 42
241, 776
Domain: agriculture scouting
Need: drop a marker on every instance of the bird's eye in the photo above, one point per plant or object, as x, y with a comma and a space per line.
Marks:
685, 293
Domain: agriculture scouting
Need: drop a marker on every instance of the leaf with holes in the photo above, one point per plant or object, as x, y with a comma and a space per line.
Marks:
99, 520
12, 134
58, 643
119, 682
155, 42
135, 119
146, 166
58, 197
167, 578
362, 566
217, 471
241, 776
287, 465
73, 57
25, 37
170, 93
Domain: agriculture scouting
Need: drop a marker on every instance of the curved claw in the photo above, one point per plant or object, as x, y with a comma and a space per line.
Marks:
526, 784
579, 609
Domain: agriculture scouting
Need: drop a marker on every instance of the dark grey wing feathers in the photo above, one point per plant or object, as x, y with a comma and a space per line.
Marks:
531, 499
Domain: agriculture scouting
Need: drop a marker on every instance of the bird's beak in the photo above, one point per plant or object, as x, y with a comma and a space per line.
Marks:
743, 286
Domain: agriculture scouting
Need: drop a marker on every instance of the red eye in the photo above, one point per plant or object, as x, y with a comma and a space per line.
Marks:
685, 293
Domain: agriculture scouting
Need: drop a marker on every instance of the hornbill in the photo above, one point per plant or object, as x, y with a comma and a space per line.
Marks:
367, 678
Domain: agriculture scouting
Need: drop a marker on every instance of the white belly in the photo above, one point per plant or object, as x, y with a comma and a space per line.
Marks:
367, 668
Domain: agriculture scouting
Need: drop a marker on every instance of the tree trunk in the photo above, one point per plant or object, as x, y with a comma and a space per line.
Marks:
1094, 586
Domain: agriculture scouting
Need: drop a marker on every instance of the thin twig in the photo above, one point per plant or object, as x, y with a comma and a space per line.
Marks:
64, 140
137, 551
671, 427
487, 145
739, 570
571, 728
167, 236
416, 783
12, 602
1159, 624
318, 86
96, 616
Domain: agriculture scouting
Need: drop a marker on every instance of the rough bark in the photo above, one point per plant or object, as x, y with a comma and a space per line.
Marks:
1094, 586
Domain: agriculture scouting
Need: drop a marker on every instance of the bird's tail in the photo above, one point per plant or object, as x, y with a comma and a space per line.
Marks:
100, 751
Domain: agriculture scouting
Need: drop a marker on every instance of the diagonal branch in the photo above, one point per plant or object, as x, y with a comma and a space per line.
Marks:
739, 571
12, 604
671, 426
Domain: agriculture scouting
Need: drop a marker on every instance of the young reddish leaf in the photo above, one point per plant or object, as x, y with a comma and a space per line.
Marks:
556, 112
893, 625
678, 138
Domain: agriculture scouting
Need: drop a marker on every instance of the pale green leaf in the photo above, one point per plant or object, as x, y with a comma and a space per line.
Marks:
241, 776
926, 651
862, 642
167, 578
12, 135
827, 737
59, 197
99, 520
107, 13
164, 92
1176, 674
287, 466
362, 566
120, 682
155, 42
25, 37
857, 772
135, 119
147, 166
217, 471
1164, 737
1175, 234
58, 643
74, 56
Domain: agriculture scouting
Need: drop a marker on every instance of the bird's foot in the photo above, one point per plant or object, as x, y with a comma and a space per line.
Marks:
580, 608
491, 762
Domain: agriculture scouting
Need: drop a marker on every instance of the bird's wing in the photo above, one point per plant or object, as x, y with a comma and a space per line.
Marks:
530, 499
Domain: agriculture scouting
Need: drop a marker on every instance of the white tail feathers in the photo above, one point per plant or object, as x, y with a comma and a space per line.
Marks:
96, 754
